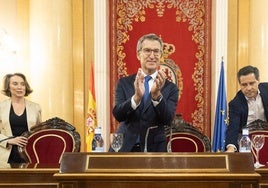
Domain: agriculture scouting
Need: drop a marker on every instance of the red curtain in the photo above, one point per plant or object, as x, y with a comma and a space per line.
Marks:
184, 26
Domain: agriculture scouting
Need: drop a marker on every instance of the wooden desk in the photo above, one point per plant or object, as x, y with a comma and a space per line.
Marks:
263, 183
28, 176
158, 170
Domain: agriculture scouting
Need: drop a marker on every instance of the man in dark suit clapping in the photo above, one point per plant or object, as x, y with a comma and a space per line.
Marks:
145, 105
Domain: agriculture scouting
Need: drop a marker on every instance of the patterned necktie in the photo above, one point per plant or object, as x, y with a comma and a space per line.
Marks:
146, 87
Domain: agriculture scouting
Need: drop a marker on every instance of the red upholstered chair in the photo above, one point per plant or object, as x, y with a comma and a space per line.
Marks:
49, 140
184, 137
259, 127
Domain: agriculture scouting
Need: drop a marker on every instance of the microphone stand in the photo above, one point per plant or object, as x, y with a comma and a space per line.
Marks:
169, 147
146, 137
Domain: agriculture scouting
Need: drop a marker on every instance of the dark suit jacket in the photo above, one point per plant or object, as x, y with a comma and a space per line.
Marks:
238, 114
136, 122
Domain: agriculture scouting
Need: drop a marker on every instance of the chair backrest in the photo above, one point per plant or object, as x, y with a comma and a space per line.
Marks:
184, 137
49, 140
259, 127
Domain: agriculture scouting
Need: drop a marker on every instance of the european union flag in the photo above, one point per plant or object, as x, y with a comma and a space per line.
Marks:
220, 116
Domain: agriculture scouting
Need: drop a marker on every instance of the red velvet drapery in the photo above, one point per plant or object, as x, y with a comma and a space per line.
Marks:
184, 26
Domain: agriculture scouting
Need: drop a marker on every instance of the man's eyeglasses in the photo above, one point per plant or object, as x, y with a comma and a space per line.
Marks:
148, 51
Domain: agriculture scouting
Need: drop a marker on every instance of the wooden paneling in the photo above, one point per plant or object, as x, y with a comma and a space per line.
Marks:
238, 36
79, 71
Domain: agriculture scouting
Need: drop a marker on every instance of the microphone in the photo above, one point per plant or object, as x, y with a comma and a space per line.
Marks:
169, 147
146, 137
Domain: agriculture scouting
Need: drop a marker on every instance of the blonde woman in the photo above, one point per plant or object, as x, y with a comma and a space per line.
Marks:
17, 114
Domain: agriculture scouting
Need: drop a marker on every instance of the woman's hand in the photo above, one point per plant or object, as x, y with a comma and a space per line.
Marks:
19, 141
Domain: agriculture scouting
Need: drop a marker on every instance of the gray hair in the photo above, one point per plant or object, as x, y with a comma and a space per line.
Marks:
150, 36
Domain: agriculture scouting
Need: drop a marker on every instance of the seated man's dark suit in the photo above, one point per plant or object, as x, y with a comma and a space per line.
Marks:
134, 123
238, 114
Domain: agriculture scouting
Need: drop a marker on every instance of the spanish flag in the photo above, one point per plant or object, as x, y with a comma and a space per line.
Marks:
91, 123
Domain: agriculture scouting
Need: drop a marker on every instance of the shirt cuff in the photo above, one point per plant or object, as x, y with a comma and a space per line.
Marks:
157, 101
235, 149
133, 104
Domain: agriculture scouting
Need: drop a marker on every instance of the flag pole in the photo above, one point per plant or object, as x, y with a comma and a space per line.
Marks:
218, 143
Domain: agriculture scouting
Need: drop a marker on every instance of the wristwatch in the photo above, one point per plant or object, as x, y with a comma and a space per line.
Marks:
159, 98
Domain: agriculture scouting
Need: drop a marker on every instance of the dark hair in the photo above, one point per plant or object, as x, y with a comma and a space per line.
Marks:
248, 70
6, 89
150, 36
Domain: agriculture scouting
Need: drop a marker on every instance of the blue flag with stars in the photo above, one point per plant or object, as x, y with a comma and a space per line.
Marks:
218, 144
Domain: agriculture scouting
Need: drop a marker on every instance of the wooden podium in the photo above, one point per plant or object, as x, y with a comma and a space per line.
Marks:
28, 175
157, 170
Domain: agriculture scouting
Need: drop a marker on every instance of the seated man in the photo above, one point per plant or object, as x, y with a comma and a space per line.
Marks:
249, 104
